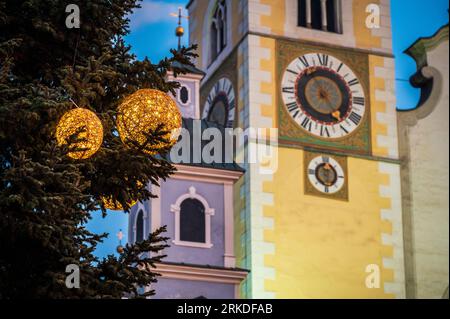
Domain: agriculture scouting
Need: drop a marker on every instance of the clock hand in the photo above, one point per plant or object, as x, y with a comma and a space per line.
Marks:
335, 113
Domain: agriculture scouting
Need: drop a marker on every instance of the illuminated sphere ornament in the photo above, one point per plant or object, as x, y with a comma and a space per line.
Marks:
141, 113
89, 129
111, 204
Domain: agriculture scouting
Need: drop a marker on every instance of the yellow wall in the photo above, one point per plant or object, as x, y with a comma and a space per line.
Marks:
323, 246
273, 20
364, 36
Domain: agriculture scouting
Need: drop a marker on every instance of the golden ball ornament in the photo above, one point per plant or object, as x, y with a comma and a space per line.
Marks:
179, 31
141, 113
111, 204
89, 129
120, 249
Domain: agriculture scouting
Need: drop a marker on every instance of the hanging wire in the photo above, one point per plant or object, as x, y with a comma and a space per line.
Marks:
73, 102
76, 50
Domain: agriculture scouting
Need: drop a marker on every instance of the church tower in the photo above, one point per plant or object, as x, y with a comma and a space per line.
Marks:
327, 223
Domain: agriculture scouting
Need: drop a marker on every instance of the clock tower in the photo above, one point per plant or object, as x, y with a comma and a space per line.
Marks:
327, 222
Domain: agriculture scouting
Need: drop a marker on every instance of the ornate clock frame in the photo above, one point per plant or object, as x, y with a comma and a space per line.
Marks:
290, 134
343, 193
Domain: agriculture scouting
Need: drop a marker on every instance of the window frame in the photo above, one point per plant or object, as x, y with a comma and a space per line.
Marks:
189, 92
337, 17
135, 226
220, 9
176, 209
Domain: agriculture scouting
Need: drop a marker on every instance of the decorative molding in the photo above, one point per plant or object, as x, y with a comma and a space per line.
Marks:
418, 50
185, 272
324, 44
431, 77
176, 208
211, 175
187, 76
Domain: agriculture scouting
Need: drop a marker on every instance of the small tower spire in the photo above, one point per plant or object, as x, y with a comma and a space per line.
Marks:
179, 31
120, 248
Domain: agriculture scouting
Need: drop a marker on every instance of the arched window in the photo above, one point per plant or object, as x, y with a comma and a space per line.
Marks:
322, 15
184, 95
140, 226
218, 30
214, 40
192, 220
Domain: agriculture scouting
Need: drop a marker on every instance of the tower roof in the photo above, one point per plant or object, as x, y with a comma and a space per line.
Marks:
187, 68
189, 125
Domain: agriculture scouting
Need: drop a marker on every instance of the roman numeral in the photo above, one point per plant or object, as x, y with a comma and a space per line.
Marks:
323, 59
288, 90
291, 71
325, 159
324, 131
353, 82
231, 104
292, 107
359, 100
304, 61
311, 172
327, 189
229, 90
340, 67
355, 118
305, 123
343, 128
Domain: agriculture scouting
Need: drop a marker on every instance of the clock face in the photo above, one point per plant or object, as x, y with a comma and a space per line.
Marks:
220, 105
326, 175
323, 96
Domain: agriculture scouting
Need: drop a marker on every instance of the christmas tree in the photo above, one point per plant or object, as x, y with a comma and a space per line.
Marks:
47, 197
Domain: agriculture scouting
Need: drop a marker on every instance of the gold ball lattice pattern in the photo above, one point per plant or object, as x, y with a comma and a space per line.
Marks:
89, 129
111, 204
141, 113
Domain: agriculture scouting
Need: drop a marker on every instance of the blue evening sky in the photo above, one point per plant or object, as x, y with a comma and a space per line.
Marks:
152, 35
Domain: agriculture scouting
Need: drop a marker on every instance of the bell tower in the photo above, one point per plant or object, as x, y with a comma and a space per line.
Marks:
327, 222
